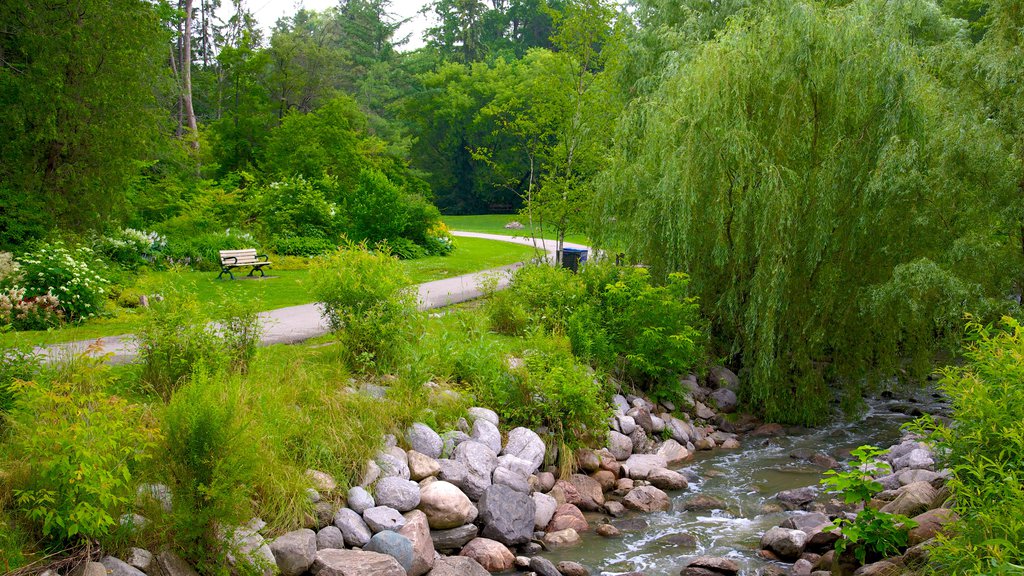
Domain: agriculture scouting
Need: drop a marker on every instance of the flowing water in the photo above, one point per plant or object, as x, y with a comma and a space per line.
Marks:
746, 480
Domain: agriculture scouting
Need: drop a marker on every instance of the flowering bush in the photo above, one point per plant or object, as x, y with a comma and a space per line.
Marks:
439, 241
10, 271
131, 248
69, 274
33, 313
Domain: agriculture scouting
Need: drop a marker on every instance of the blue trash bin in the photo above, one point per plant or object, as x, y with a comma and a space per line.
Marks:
572, 258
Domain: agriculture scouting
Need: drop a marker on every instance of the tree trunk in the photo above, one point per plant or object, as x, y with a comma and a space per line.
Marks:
186, 75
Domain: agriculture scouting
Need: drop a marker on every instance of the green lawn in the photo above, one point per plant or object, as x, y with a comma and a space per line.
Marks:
495, 224
285, 288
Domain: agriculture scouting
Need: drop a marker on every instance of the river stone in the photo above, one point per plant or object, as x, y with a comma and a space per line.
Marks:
335, 562
294, 551
511, 479
642, 418
542, 566
667, 479
452, 439
710, 566
89, 569
487, 434
446, 506
919, 475
246, 546
417, 531
567, 516
526, 444
370, 475
882, 568
477, 413
625, 424
544, 506
381, 518
453, 471
704, 503
809, 522
480, 462
797, 497
114, 567
673, 452
142, 559
647, 499
170, 564
785, 543
902, 449
492, 555
614, 508
402, 495
353, 529
587, 494
916, 459
454, 538
507, 515
678, 430
638, 466
393, 544
422, 466
605, 479
424, 439
587, 460
620, 445
516, 464
567, 537
929, 524
330, 537
913, 499
620, 403
567, 568
722, 377
725, 400
391, 464
457, 566
359, 499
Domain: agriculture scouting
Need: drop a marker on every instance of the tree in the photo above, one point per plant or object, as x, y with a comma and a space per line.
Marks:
823, 191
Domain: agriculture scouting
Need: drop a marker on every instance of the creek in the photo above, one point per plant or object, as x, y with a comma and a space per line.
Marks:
747, 480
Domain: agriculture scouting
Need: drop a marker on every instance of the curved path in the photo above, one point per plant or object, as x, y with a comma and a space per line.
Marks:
298, 323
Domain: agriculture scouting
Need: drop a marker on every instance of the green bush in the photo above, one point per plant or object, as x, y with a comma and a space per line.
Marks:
75, 450
364, 296
984, 451
297, 207
174, 341
379, 210
300, 245
406, 249
131, 248
72, 274
239, 332
16, 364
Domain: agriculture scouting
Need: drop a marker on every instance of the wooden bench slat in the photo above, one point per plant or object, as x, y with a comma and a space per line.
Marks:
230, 259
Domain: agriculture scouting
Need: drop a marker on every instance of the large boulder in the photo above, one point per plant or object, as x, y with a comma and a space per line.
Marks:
797, 497
785, 543
918, 458
638, 466
446, 506
912, 499
511, 479
722, 377
330, 537
526, 444
453, 538
417, 530
393, 544
545, 506
679, 430
929, 524
480, 462
667, 479
725, 400
486, 433
477, 413
457, 566
567, 516
334, 562
647, 499
491, 555
508, 516
353, 528
620, 445
393, 462
710, 566
422, 466
115, 567
294, 551
583, 491
673, 452
359, 499
381, 518
398, 493
424, 440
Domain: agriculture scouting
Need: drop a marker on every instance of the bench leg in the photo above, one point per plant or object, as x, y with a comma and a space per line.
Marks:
222, 271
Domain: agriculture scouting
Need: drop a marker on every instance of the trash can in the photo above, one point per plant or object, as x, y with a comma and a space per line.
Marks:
572, 258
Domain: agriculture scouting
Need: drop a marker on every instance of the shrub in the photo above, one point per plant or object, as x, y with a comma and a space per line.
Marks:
72, 274
239, 331
405, 249
365, 299
301, 245
10, 270
200, 251
173, 342
378, 208
131, 248
76, 449
16, 364
35, 313
297, 207
439, 240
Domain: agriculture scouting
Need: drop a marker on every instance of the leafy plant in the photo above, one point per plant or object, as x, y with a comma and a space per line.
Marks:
131, 248
71, 274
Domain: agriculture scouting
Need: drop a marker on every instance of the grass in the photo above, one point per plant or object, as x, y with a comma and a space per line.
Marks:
495, 224
287, 288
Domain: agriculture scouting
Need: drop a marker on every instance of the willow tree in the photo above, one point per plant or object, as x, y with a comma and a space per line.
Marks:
836, 214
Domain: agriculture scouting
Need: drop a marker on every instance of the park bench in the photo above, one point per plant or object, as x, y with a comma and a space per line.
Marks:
230, 259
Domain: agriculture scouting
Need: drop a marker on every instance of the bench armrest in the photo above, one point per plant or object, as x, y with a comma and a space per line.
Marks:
225, 259
264, 256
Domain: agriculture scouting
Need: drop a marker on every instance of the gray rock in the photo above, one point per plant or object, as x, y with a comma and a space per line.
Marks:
516, 464
710, 565
620, 403
543, 567
785, 543
294, 551
90, 569
667, 479
487, 433
902, 449
451, 439
477, 413
454, 538
641, 444
657, 425
458, 566
330, 537
810, 522
371, 474
353, 528
402, 495
355, 563
910, 476
642, 418
115, 567
725, 400
625, 424
170, 564
508, 516
393, 544
797, 497
915, 459
359, 499
480, 462
140, 558
545, 506
678, 430
722, 377
394, 462
248, 548
647, 499
619, 445
424, 440
513, 480
702, 411
526, 444
453, 471
381, 518
639, 466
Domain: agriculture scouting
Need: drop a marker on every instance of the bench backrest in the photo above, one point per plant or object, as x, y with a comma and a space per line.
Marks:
238, 257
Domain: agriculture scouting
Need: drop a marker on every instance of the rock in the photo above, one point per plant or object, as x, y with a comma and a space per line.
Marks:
371, 474
710, 566
704, 503
641, 443
545, 481
680, 540
511, 479
809, 522
359, 499
476, 413
605, 479
797, 497
393, 544
294, 551
625, 424
679, 430
915, 459
170, 564
417, 531
247, 548
883, 568
929, 524
422, 466
608, 531
393, 462
638, 466
322, 481
642, 417
114, 567
587, 460
802, 567
785, 543
353, 528
544, 509
902, 449
587, 493
673, 452
424, 440
614, 508
568, 516
667, 479
542, 566
480, 462
620, 445
647, 499
624, 485
446, 506
572, 569
451, 440
566, 537
400, 494
731, 444
323, 515
910, 476
355, 563
705, 444
90, 569
491, 555
768, 430
140, 558
701, 411
457, 566
507, 515
487, 433
821, 540
381, 518
526, 444
631, 524
912, 500
453, 538
725, 400
161, 494
330, 537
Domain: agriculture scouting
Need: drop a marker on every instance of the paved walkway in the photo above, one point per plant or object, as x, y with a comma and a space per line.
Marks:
298, 323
